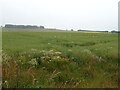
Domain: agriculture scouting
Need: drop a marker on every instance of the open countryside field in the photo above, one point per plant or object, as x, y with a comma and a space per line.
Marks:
60, 60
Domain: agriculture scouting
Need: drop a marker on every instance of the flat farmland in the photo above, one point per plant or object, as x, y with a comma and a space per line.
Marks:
60, 60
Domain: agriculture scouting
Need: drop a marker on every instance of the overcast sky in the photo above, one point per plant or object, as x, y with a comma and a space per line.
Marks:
61, 14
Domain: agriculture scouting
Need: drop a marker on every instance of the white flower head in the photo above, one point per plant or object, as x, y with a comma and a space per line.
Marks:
33, 62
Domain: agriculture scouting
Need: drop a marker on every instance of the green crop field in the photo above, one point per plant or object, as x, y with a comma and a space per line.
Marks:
60, 60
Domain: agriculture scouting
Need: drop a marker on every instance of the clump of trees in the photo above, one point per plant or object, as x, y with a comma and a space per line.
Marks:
115, 31
24, 26
42, 27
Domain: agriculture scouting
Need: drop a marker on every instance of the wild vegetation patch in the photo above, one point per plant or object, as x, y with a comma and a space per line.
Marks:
60, 60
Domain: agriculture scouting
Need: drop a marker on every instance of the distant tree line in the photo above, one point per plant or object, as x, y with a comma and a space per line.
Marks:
92, 31
24, 26
101, 31
115, 31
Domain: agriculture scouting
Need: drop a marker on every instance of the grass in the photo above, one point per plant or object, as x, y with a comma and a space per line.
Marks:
60, 60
